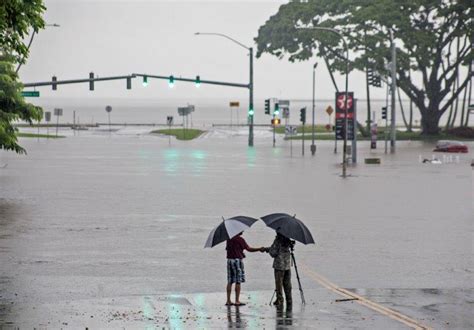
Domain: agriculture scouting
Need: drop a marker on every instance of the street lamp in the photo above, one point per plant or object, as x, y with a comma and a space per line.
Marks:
313, 146
31, 41
250, 49
344, 153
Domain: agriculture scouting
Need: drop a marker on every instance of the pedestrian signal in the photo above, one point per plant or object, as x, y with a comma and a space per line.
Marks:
276, 121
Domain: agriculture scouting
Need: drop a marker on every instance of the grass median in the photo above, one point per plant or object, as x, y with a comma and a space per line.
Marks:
42, 136
179, 133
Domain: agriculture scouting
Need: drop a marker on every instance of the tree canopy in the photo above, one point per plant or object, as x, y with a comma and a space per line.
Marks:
17, 18
13, 106
433, 39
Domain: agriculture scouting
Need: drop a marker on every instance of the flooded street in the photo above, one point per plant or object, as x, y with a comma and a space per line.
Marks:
105, 222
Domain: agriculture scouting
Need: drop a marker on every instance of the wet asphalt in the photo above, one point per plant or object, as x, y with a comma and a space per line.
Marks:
107, 230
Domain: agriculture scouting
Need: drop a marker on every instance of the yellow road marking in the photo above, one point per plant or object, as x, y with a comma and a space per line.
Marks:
363, 301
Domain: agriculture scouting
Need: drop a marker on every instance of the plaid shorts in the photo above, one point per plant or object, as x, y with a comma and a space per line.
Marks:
235, 271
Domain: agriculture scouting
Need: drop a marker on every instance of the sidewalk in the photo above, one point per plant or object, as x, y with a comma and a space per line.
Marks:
201, 311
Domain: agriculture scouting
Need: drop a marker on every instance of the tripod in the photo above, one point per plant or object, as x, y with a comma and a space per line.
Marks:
298, 277
303, 301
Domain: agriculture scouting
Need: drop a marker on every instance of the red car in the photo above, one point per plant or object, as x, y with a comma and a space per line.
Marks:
451, 146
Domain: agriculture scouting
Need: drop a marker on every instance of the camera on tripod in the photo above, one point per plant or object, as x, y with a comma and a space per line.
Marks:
292, 244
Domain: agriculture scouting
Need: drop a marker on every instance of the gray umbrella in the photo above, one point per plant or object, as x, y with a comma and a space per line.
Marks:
228, 229
289, 226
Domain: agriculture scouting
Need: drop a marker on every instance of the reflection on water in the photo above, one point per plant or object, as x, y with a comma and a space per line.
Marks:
234, 318
283, 318
251, 156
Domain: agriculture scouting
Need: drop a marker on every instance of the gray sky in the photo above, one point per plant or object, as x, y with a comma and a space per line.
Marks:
111, 37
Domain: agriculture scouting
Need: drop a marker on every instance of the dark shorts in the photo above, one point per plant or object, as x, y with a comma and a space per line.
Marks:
235, 271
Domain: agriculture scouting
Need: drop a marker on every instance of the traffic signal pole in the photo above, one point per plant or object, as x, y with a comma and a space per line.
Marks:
393, 133
251, 98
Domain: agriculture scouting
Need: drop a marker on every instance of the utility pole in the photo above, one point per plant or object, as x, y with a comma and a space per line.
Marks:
393, 134
313, 146
251, 109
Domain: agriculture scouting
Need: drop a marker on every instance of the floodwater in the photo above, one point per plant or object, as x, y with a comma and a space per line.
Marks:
107, 215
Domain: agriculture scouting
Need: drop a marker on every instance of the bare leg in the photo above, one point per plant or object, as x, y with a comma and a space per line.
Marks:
237, 293
229, 290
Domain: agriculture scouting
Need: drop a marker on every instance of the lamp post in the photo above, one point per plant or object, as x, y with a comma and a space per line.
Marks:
313, 146
31, 41
250, 86
344, 153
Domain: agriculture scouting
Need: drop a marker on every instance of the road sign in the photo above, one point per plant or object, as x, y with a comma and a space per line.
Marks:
290, 130
471, 107
108, 108
58, 112
329, 110
169, 120
47, 116
284, 103
285, 113
30, 93
235, 104
184, 111
340, 115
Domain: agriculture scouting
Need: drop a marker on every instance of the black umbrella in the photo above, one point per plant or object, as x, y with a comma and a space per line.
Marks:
292, 228
289, 226
228, 229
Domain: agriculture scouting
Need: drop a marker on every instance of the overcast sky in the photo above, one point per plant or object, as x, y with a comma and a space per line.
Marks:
116, 37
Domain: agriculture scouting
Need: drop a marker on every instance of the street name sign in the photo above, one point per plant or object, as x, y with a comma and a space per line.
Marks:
30, 93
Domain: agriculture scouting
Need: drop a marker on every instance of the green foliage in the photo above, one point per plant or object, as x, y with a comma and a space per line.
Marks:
13, 106
426, 34
17, 17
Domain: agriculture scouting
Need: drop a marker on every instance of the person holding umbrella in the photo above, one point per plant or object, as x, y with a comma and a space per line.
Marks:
281, 254
235, 266
230, 230
287, 227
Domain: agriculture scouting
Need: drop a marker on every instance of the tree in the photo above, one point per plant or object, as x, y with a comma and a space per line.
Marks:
17, 17
426, 35
12, 105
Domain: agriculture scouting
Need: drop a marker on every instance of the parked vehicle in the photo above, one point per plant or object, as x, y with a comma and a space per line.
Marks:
451, 146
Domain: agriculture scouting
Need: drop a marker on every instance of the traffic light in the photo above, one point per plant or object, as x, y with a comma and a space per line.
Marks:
171, 81
145, 81
251, 111
91, 82
54, 79
373, 78
129, 82
377, 82
276, 112
384, 112
303, 115
276, 121
198, 81
267, 106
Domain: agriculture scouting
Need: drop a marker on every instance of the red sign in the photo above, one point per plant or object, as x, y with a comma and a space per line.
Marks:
341, 101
